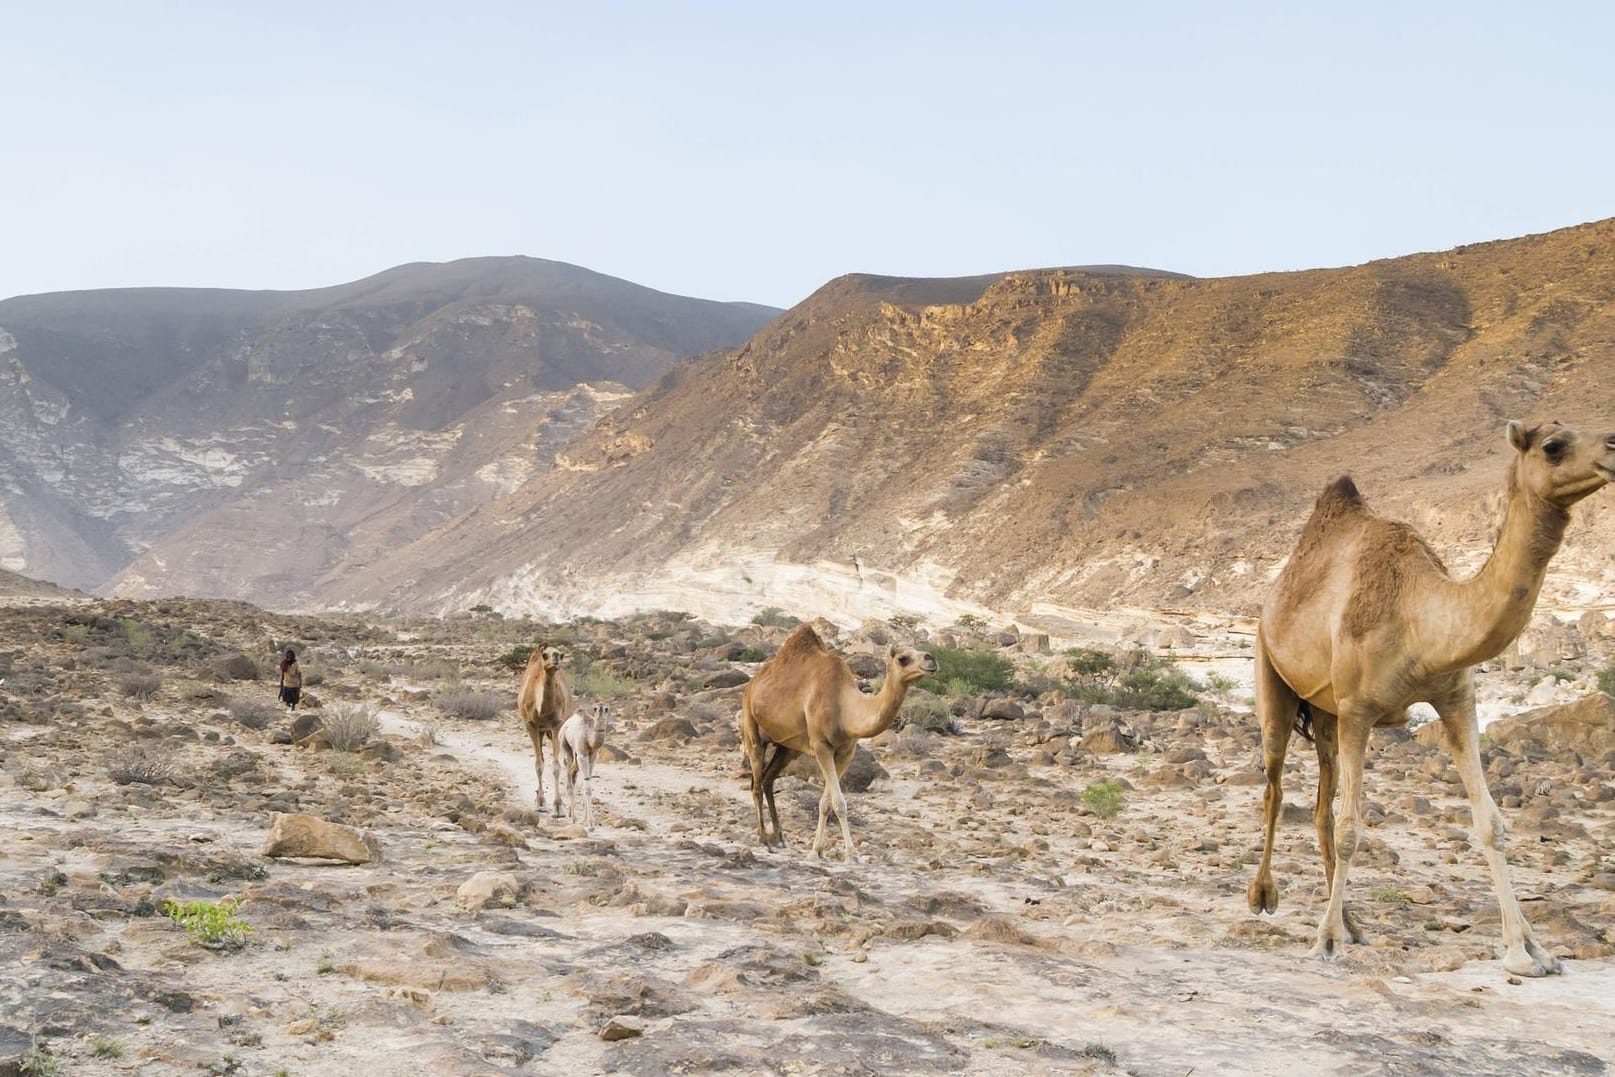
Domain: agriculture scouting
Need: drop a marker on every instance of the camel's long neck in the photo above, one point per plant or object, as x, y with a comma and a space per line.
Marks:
1495, 605
879, 711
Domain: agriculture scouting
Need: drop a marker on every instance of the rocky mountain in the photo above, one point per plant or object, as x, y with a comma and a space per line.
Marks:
252, 444
1038, 442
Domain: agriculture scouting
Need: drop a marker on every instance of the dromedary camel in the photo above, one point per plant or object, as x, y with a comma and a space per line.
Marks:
581, 738
544, 702
806, 700
1364, 621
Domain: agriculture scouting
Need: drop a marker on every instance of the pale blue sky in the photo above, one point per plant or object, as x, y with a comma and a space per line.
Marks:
755, 150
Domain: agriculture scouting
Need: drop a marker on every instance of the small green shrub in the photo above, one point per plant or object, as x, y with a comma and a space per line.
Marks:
974, 671
752, 654
103, 1047
38, 1062
516, 658
905, 621
1090, 667
1393, 894
1105, 798
971, 623
774, 617
929, 713
1606, 679
213, 925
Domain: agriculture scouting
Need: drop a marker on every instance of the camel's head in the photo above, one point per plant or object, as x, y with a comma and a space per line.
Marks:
553, 657
1560, 464
600, 715
909, 665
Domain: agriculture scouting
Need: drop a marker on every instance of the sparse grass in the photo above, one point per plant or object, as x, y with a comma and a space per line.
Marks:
599, 684
51, 881
344, 764
347, 726
929, 713
131, 765
752, 654
38, 1062
774, 617
104, 1047
1098, 1052
325, 967
210, 924
140, 685
1105, 798
1392, 894
436, 669
462, 702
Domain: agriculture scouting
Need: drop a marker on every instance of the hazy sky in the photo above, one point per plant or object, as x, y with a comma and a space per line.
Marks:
754, 149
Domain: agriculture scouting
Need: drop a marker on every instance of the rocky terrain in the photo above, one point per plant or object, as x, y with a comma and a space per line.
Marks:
1033, 445
1048, 883
251, 444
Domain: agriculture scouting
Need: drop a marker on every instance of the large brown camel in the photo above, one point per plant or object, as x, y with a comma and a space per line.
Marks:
1365, 621
806, 700
544, 702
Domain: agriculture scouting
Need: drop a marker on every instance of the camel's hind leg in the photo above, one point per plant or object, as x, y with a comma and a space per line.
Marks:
1276, 708
1326, 733
776, 766
1523, 955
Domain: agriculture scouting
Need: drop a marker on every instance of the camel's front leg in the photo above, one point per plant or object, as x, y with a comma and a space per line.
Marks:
555, 767
1522, 955
1352, 731
1324, 729
832, 799
537, 737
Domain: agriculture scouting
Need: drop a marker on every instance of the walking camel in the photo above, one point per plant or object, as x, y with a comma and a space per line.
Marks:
806, 700
1364, 620
544, 702
581, 738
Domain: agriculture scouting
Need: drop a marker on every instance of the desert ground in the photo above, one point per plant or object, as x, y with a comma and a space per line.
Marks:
1004, 917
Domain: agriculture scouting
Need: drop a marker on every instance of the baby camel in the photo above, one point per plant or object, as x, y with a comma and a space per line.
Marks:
544, 702
805, 699
1364, 621
581, 738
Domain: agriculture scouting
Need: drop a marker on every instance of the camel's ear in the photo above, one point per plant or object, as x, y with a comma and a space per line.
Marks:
1519, 435
893, 652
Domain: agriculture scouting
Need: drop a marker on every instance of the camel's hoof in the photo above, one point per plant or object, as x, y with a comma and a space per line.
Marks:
1263, 895
1328, 950
1525, 963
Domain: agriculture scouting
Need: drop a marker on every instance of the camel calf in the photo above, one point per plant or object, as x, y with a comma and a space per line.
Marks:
581, 738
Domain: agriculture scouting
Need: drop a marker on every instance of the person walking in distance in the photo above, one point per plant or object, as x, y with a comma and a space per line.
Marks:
291, 681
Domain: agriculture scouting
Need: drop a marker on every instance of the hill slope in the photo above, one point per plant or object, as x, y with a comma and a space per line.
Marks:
245, 443
1054, 438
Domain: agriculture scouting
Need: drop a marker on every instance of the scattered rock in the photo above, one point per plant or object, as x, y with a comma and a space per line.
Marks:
304, 836
488, 889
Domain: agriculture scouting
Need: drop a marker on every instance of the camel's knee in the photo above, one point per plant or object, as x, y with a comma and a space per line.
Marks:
1346, 834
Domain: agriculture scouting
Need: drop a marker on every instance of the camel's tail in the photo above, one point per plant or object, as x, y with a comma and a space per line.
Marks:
1303, 720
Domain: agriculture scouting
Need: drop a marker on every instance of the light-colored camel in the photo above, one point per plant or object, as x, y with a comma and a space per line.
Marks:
581, 739
1364, 621
806, 700
544, 702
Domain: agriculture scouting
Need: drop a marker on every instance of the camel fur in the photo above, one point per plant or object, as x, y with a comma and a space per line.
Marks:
806, 701
544, 702
1364, 621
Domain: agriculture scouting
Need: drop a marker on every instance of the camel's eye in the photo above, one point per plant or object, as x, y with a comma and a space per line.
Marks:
905, 660
1554, 450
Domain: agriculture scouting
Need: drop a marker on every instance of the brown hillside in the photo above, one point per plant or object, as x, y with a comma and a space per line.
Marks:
1068, 436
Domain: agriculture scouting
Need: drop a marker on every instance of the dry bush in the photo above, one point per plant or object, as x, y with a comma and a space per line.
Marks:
254, 713
348, 725
131, 765
139, 685
469, 704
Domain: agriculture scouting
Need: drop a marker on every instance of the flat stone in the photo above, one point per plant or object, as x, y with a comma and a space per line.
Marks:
296, 835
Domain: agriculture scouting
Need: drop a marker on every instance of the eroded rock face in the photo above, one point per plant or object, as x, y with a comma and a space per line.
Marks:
1586, 727
305, 836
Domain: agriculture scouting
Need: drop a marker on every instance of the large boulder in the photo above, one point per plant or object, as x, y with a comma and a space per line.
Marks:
1586, 727
296, 835
861, 772
488, 889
